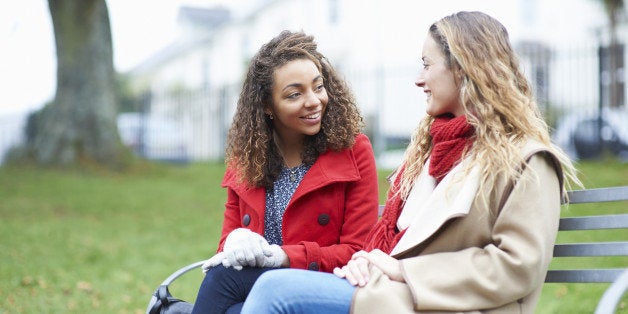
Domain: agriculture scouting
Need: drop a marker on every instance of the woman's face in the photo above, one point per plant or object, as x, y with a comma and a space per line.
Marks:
438, 82
299, 100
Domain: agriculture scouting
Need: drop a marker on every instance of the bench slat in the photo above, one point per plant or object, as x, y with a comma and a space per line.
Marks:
611, 194
584, 275
591, 249
594, 222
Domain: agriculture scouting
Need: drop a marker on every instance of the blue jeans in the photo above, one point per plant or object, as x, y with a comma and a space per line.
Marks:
224, 289
299, 291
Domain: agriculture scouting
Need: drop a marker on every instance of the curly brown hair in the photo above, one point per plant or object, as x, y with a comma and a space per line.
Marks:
250, 145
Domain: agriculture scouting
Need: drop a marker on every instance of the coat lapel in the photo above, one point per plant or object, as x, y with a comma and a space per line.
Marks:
451, 198
328, 168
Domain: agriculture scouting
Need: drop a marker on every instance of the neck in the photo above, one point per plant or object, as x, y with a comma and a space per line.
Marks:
290, 150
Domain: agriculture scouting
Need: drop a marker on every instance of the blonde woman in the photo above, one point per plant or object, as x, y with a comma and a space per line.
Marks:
472, 213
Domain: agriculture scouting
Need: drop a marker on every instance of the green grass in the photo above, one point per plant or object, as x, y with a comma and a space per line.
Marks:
93, 243
101, 243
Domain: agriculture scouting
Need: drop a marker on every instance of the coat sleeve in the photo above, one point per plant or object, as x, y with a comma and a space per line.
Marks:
360, 214
231, 217
510, 267
361, 204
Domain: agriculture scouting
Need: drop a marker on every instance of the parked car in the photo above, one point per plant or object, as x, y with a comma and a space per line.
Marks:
585, 135
154, 138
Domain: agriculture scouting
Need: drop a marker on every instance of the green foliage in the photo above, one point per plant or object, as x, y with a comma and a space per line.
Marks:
126, 99
101, 242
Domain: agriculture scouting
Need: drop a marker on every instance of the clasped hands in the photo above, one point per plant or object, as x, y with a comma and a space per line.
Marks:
244, 247
358, 269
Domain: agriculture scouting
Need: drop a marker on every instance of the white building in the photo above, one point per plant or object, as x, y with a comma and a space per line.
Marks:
375, 44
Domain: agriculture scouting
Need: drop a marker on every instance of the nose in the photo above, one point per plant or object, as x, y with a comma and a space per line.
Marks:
420, 81
312, 99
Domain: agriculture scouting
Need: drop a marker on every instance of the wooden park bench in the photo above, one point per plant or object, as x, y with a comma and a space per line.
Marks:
600, 220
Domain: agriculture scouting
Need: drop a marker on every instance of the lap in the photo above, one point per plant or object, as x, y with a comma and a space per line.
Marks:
223, 288
300, 291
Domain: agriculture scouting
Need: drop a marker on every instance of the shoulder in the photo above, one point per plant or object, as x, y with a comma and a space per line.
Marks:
361, 150
531, 147
347, 163
362, 143
536, 154
231, 178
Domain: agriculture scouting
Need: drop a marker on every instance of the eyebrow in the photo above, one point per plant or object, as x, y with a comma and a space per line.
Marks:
319, 77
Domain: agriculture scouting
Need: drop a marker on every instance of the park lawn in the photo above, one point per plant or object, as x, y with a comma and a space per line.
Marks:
97, 242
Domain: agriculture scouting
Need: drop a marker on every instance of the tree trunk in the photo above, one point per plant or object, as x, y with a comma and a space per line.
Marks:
79, 126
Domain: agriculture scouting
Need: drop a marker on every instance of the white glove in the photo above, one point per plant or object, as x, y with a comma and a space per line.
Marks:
237, 242
213, 261
276, 258
245, 248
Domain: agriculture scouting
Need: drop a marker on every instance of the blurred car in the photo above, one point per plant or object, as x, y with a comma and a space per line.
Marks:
154, 138
581, 136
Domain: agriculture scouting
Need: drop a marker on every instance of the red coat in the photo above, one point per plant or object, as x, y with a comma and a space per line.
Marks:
329, 215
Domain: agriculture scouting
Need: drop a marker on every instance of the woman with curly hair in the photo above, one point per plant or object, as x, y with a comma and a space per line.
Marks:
472, 214
301, 179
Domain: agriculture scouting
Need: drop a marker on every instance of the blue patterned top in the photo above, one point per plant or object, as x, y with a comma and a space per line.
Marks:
277, 200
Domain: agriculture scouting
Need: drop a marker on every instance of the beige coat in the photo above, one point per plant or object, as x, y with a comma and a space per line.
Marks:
470, 258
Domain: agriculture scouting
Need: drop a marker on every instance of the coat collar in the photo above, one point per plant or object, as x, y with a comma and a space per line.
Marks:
451, 198
329, 167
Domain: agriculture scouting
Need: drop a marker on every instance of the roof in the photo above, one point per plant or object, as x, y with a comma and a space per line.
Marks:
203, 17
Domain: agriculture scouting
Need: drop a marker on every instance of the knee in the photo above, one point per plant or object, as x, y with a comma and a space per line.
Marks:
268, 292
272, 281
219, 274
273, 277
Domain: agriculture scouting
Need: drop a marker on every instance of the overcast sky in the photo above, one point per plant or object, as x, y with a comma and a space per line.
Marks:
27, 52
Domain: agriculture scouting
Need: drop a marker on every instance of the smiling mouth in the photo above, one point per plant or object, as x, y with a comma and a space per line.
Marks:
313, 116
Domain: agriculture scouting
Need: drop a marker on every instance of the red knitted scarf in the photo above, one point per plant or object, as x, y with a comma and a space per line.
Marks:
450, 136
384, 235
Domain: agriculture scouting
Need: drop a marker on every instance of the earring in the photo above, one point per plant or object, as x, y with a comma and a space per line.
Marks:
270, 115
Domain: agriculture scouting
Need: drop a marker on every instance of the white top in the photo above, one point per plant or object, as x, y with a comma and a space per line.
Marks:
421, 190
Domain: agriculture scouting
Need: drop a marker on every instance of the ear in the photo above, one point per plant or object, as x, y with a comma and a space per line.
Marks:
459, 76
268, 111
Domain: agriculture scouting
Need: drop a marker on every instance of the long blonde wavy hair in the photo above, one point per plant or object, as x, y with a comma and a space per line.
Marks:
497, 100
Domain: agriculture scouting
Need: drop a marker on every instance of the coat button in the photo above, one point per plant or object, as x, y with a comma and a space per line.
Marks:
313, 266
246, 220
323, 219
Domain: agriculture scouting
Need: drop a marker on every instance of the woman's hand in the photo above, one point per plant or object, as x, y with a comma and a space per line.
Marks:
357, 270
386, 263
